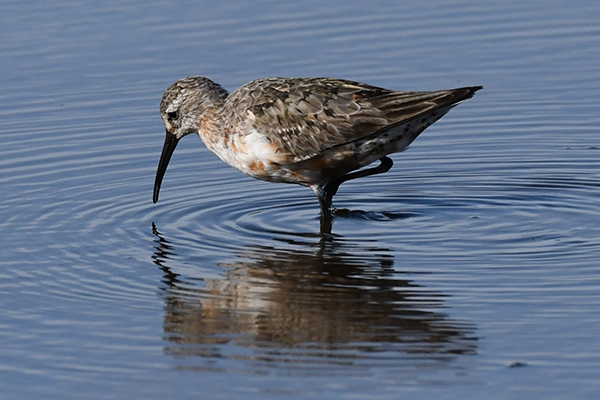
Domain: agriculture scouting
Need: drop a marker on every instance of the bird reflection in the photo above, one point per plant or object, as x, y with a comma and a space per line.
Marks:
317, 293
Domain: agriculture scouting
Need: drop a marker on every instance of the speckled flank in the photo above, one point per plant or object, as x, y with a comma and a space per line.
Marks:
309, 131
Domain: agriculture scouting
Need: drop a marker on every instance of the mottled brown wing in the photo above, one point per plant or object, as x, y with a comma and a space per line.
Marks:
304, 117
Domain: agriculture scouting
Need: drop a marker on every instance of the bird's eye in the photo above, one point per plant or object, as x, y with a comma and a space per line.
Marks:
172, 114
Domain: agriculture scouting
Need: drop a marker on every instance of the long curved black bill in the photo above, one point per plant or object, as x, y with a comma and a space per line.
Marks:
167, 151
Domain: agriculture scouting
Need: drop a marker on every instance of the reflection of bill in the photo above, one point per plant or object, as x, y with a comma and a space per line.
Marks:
322, 294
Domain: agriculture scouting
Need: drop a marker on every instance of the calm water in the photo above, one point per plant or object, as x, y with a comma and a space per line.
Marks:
470, 270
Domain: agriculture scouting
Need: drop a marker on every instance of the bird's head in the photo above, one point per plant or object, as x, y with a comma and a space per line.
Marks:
183, 107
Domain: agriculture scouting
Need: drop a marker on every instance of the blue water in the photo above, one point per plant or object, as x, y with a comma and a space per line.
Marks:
470, 270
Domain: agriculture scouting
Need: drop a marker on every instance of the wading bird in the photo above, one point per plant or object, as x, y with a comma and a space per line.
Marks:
315, 132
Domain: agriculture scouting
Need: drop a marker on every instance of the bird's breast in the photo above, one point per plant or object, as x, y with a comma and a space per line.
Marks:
250, 152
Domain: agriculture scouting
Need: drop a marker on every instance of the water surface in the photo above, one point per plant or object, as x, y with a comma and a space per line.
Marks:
467, 271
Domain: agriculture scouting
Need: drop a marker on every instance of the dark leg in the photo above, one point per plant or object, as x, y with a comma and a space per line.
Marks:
325, 203
326, 192
332, 187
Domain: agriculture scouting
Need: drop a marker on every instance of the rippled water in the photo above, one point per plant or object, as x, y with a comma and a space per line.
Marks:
469, 270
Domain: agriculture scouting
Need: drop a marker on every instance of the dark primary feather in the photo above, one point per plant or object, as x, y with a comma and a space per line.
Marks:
306, 116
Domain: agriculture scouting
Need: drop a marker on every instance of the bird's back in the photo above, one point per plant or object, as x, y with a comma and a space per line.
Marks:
316, 128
